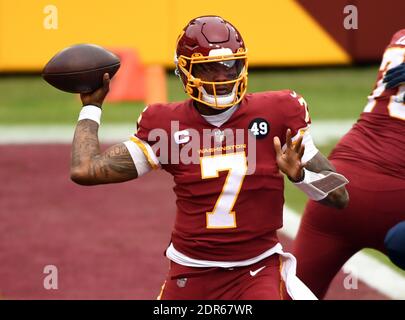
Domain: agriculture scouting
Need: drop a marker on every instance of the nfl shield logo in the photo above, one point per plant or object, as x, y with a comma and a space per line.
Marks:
219, 136
181, 283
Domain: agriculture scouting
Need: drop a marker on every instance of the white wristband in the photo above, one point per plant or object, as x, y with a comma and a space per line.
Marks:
317, 185
90, 112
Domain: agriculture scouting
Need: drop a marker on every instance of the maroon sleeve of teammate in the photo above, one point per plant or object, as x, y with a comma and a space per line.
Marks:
398, 39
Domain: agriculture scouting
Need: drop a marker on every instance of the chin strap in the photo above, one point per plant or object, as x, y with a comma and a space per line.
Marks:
219, 99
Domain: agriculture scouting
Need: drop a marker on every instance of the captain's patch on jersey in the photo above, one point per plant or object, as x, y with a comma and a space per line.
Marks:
259, 128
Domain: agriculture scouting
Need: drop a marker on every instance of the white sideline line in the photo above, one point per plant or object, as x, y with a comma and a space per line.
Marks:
325, 131
366, 268
322, 131
29, 134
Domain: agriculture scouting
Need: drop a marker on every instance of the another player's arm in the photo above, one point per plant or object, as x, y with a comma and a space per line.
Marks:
89, 166
338, 198
289, 162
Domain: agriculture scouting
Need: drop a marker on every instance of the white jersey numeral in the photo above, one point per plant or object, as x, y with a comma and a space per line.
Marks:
222, 215
396, 109
303, 103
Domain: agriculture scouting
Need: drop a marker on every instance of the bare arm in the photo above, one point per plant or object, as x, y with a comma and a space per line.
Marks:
338, 198
89, 166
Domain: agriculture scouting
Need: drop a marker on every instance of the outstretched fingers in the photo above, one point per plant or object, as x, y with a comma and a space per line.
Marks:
298, 144
288, 139
277, 146
299, 148
301, 151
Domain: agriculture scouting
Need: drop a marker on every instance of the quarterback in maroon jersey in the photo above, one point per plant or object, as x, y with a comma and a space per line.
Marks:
371, 155
225, 150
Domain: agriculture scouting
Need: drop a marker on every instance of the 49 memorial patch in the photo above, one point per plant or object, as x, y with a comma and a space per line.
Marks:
259, 128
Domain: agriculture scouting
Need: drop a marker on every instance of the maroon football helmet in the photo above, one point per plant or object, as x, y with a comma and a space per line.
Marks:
212, 46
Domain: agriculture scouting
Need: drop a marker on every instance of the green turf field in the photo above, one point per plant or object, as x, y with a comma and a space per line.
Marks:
332, 93
335, 93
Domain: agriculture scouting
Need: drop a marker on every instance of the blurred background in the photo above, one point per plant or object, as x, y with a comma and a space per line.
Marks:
107, 242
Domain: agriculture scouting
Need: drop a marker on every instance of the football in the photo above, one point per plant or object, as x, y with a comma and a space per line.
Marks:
80, 68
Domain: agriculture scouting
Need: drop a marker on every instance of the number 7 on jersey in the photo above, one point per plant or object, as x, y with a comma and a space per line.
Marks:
223, 216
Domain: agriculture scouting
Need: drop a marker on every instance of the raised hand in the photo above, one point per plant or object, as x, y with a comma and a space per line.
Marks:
289, 160
97, 97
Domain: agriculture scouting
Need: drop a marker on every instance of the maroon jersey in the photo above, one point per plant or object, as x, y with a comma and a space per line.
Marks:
377, 140
228, 186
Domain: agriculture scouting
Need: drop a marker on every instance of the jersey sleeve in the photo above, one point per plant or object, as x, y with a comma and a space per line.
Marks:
142, 138
299, 121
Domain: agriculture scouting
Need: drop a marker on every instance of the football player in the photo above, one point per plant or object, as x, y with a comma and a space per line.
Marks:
371, 155
225, 149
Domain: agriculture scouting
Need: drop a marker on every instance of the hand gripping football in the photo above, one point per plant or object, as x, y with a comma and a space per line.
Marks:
80, 68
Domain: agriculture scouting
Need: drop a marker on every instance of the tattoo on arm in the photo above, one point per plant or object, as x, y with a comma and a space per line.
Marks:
85, 142
113, 165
